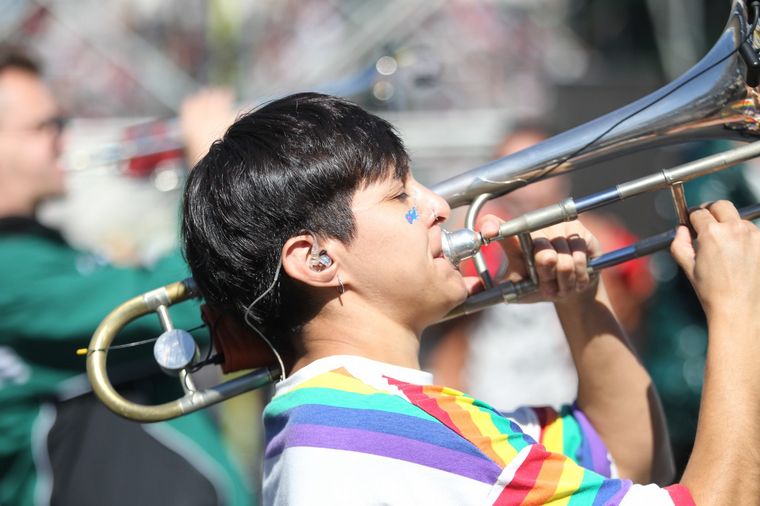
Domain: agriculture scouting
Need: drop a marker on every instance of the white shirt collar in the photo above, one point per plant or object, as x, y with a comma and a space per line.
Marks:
368, 370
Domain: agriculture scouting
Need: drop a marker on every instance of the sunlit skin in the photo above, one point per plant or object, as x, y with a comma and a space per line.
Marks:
724, 467
397, 280
30, 143
399, 266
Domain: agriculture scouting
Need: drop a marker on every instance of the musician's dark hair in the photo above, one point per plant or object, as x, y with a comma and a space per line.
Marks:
16, 58
291, 166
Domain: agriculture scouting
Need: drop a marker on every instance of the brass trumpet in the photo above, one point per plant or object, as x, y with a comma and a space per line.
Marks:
716, 99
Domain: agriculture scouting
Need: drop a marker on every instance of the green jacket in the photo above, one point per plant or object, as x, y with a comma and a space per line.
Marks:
52, 297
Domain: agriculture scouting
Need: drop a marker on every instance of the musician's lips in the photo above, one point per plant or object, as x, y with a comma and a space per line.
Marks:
441, 256
438, 251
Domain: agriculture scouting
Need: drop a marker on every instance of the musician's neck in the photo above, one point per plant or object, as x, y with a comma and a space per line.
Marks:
356, 329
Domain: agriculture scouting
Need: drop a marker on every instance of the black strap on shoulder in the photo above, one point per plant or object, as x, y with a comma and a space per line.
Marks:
23, 225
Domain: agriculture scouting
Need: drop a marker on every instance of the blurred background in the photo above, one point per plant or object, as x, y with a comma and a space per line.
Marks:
455, 77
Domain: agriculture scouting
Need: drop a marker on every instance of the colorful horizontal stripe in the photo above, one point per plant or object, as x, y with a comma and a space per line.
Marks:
442, 429
385, 445
546, 474
680, 495
319, 413
371, 421
497, 437
339, 379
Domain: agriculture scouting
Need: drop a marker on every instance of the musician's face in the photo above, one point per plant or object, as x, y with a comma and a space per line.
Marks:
30, 138
395, 261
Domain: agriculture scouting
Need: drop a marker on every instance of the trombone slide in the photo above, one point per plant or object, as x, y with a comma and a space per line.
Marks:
569, 209
512, 292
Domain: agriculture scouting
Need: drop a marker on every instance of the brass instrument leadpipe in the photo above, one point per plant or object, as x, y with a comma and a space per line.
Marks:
512, 292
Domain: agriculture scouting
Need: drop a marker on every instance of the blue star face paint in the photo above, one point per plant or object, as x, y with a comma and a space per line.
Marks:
411, 215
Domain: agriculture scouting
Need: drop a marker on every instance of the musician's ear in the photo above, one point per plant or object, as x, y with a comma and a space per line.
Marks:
306, 259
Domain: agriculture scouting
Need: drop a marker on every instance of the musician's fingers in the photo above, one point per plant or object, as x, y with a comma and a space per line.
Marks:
488, 225
682, 249
701, 219
724, 211
565, 266
204, 116
545, 258
579, 248
473, 284
516, 267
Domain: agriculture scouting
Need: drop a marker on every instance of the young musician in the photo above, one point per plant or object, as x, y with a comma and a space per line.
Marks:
305, 224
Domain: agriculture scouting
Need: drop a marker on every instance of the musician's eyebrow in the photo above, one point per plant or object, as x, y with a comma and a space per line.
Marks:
396, 189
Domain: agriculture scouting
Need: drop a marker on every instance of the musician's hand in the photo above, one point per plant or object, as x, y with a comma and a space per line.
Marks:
723, 268
561, 254
204, 117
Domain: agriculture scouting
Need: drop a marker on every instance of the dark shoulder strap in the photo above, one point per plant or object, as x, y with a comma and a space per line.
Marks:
22, 225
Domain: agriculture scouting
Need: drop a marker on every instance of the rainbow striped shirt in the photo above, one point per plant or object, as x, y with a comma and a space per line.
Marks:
349, 430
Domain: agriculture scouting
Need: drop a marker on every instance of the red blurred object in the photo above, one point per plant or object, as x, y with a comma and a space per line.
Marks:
634, 274
155, 140
144, 166
495, 261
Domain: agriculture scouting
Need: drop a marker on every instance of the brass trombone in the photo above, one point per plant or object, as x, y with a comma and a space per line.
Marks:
715, 99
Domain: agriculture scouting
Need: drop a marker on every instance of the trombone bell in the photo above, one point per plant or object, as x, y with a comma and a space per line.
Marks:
712, 100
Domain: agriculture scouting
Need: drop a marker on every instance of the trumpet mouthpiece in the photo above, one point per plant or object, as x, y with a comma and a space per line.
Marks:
461, 244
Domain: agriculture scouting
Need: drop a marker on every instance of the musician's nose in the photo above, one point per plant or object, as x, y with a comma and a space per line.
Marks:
432, 207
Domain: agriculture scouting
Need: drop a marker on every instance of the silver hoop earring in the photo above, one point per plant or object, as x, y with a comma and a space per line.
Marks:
341, 288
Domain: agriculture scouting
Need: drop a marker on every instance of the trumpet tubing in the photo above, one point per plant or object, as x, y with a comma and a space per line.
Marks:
715, 99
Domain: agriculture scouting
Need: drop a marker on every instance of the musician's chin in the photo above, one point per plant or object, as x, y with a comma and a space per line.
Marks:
460, 288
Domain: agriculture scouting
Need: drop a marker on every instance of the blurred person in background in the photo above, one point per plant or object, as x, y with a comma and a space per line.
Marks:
58, 443
475, 354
